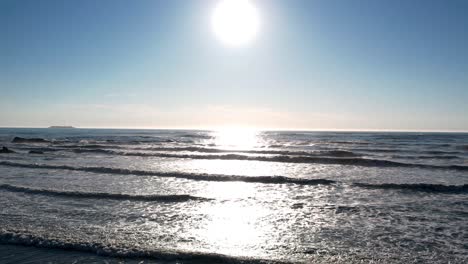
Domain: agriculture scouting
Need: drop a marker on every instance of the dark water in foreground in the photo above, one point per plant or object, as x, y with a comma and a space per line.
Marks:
168, 196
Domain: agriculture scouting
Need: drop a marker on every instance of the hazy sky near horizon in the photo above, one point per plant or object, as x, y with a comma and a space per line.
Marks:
321, 64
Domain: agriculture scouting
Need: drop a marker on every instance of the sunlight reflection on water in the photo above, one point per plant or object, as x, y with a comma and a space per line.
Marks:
237, 138
313, 223
235, 167
235, 228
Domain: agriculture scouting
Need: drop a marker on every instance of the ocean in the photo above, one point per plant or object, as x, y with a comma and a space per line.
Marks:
232, 196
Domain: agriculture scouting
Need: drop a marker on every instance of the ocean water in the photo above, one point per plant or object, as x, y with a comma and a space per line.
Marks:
233, 196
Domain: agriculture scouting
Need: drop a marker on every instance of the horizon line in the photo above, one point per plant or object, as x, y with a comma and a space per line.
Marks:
253, 128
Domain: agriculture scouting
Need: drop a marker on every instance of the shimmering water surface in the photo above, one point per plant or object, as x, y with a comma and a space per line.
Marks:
238, 196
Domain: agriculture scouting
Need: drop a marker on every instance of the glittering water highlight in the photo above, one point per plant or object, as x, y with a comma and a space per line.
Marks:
239, 196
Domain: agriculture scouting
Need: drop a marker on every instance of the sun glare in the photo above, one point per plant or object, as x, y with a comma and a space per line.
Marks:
235, 22
236, 138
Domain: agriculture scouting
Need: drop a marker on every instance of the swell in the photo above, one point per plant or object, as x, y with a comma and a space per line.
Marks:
91, 146
394, 150
332, 153
111, 196
293, 159
420, 187
426, 157
188, 176
120, 251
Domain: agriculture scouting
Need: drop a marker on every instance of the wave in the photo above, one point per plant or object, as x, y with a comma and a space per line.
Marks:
119, 150
296, 159
57, 147
29, 140
391, 150
434, 188
111, 142
197, 135
180, 175
98, 150
230, 156
426, 157
332, 153
350, 142
112, 196
121, 251
463, 147
44, 149
110, 150
440, 152
354, 161
380, 150
91, 146
421, 187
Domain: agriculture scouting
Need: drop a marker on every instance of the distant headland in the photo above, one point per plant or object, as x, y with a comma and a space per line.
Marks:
61, 127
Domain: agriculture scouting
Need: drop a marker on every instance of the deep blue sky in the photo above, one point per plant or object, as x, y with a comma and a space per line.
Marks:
322, 64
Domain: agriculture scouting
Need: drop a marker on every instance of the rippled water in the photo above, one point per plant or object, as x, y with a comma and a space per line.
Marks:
238, 196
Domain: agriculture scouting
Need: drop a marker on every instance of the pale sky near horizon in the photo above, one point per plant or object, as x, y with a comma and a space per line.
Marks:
322, 64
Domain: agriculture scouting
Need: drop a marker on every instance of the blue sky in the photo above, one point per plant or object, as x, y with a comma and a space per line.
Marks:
322, 64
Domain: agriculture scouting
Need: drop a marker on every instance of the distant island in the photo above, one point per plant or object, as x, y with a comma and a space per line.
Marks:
61, 127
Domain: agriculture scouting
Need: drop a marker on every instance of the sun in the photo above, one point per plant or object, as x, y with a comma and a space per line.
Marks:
235, 22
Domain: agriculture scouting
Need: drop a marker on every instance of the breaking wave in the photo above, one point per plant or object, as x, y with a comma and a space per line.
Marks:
15, 238
189, 176
112, 196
